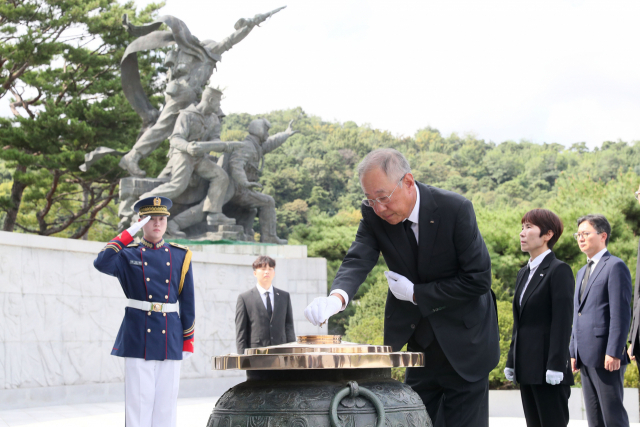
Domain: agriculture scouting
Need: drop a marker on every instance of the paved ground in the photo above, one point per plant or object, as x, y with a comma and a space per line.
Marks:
191, 413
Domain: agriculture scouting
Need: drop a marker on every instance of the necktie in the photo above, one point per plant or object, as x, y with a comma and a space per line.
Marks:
585, 280
413, 243
527, 272
269, 308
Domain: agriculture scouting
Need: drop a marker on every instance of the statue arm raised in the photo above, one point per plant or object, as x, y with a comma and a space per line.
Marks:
278, 139
243, 28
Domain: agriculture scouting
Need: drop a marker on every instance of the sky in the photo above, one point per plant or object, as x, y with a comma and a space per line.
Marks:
560, 71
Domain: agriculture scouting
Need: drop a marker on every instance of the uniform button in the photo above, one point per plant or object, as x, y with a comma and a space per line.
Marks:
144, 250
148, 279
166, 250
150, 296
145, 263
166, 281
149, 314
166, 297
413, 326
163, 331
168, 263
163, 314
579, 314
148, 330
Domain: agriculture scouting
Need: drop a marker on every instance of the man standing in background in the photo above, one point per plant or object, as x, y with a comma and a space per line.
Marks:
263, 314
601, 316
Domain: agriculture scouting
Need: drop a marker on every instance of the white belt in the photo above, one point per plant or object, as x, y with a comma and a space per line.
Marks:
152, 306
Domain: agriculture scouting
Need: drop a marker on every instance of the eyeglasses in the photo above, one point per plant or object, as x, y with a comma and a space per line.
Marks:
382, 200
637, 193
584, 235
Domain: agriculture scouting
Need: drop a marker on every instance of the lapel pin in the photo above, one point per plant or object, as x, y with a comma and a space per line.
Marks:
541, 274
431, 222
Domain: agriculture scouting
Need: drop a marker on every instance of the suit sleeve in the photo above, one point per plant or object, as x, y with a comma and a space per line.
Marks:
361, 257
188, 311
242, 326
474, 268
619, 287
288, 323
108, 260
572, 343
562, 286
510, 355
636, 312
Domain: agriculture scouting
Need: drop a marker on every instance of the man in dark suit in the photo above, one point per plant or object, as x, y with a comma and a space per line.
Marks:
263, 313
601, 316
439, 299
634, 335
542, 313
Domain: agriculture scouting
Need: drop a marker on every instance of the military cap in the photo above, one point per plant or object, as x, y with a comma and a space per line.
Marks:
153, 206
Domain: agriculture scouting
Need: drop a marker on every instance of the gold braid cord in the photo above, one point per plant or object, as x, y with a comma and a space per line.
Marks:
185, 269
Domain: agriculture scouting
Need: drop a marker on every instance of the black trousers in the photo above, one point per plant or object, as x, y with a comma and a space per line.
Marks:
545, 405
450, 400
603, 392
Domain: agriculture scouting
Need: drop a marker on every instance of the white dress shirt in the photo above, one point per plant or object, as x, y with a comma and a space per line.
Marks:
414, 218
595, 260
533, 266
263, 294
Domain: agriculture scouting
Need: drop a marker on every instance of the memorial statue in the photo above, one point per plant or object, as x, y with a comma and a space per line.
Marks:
190, 67
243, 164
196, 133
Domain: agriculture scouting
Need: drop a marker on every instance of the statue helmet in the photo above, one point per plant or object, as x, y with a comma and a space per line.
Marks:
211, 93
260, 128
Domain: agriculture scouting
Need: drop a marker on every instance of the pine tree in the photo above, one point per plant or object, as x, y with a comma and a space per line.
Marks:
60, 65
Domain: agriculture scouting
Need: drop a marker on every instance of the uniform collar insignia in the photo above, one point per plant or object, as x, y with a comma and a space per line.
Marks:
150, 245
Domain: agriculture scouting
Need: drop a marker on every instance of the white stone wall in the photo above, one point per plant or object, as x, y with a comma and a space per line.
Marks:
59, 317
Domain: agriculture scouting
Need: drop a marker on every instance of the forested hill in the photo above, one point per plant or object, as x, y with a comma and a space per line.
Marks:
312, 177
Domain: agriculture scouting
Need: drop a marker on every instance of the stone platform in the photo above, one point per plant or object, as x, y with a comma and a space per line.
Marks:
60, 317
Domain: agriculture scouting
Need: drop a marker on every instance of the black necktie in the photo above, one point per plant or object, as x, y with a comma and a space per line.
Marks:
527, 272
269, 308
412, 238
585, 280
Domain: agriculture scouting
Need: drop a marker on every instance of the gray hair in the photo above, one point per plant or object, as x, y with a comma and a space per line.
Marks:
599, 223
392, 162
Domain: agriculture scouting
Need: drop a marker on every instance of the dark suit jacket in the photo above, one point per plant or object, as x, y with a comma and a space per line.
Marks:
452, 280
542, 324
634, 336
253, 326
601, 320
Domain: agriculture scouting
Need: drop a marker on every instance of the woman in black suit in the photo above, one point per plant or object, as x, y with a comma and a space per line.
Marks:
542, 314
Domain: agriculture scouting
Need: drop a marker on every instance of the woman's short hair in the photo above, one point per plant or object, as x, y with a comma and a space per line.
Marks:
264, 261
545, 220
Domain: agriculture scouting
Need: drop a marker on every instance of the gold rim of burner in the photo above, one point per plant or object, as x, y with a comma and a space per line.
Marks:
318, 361
319, 339
300, 349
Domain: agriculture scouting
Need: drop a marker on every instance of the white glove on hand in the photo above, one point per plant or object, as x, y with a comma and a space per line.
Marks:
400, 286
321, 309
509, 373
186, 355
554, 377
137, 226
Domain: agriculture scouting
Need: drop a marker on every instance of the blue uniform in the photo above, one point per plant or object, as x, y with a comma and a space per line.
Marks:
157, 273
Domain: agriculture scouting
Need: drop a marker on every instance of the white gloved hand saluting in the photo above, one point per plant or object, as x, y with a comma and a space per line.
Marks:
137, 226
509, 373
322, 308
400, 286
554, 377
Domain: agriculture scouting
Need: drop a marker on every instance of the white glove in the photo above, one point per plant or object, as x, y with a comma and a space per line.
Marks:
509, 373
186, 355
400, 286
322, 308
554, 377
137, 226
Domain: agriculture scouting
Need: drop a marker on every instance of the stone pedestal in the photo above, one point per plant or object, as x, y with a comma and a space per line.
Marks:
60, 317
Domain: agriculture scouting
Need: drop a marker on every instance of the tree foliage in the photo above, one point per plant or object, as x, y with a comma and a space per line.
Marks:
60, 65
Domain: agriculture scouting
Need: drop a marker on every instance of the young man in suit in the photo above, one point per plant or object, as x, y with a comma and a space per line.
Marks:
439, 299
601, 316
634, 335
542, 313
263, 313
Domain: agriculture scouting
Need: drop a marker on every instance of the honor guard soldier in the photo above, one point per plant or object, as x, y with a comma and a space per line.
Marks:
153, 338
